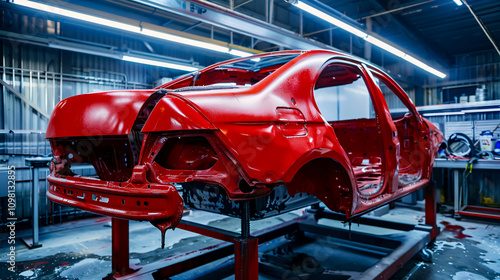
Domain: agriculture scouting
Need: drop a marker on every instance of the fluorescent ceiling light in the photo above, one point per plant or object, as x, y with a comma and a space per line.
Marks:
184, 40
77, 15
159, 63
377, 42
443, 114
239, 53
458, 2
481, 110
131, 28
330, 19
463, 112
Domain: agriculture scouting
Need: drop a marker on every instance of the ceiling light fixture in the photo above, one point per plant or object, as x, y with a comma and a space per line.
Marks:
131, 28
159, 63
443, 114
458, 2
375, 41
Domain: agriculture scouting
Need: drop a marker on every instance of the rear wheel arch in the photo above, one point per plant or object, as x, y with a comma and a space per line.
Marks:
328, 180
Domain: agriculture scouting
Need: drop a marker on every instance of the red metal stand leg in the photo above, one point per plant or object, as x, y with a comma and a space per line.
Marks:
120, 249
246, 259
430, 209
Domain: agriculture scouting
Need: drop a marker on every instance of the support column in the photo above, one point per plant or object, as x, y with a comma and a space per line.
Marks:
35, 165
246, 259
457, 195
368, 45
120, 247
35, 196
246, 249
430, 209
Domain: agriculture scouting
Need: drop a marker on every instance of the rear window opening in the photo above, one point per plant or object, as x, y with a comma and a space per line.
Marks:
186, 153
242, 73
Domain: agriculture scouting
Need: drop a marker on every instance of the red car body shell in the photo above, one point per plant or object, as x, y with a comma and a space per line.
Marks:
263, 135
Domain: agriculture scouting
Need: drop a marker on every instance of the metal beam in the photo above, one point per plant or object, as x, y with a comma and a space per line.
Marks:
88, 48
413, 35
23, 98
129, 21
192, 26
407, 6
222, 17
244, 3
483, 27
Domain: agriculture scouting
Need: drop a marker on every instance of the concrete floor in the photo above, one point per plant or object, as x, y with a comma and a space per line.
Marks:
465, 249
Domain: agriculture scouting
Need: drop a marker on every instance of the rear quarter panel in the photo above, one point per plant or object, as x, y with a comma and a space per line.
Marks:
249, 123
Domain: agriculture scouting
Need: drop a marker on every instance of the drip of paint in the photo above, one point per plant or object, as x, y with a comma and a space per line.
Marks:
350, 231
163, 238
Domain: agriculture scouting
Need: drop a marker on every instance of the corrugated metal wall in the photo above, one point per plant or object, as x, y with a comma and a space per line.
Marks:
44, 76
482, 68
470, 124
35, 72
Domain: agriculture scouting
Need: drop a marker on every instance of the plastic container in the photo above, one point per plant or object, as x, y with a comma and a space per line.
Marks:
481, 94
463, 98
472, 98
486, 140
497, 148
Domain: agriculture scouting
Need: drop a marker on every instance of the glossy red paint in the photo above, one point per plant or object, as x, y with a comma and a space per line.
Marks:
263, 130
96, 114
173, 113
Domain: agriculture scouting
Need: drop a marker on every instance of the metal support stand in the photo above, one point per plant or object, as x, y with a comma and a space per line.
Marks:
246, 249
393, 251
457, 193
35, 164
431, 209
120, 250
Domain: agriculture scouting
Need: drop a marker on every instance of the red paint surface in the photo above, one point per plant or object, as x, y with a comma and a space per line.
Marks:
455, 229
105, 113
263, 135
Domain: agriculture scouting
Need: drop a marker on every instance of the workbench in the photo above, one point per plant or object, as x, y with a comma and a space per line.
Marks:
461, 208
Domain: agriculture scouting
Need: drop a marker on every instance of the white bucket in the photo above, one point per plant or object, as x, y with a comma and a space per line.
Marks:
486, 140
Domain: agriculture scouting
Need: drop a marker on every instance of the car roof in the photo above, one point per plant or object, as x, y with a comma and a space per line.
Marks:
295, 52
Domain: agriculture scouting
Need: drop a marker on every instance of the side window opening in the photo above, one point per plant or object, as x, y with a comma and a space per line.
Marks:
341, 94
396, 107
407, 127
345, 102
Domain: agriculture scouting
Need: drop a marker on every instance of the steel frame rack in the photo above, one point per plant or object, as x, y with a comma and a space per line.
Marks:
245, 247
